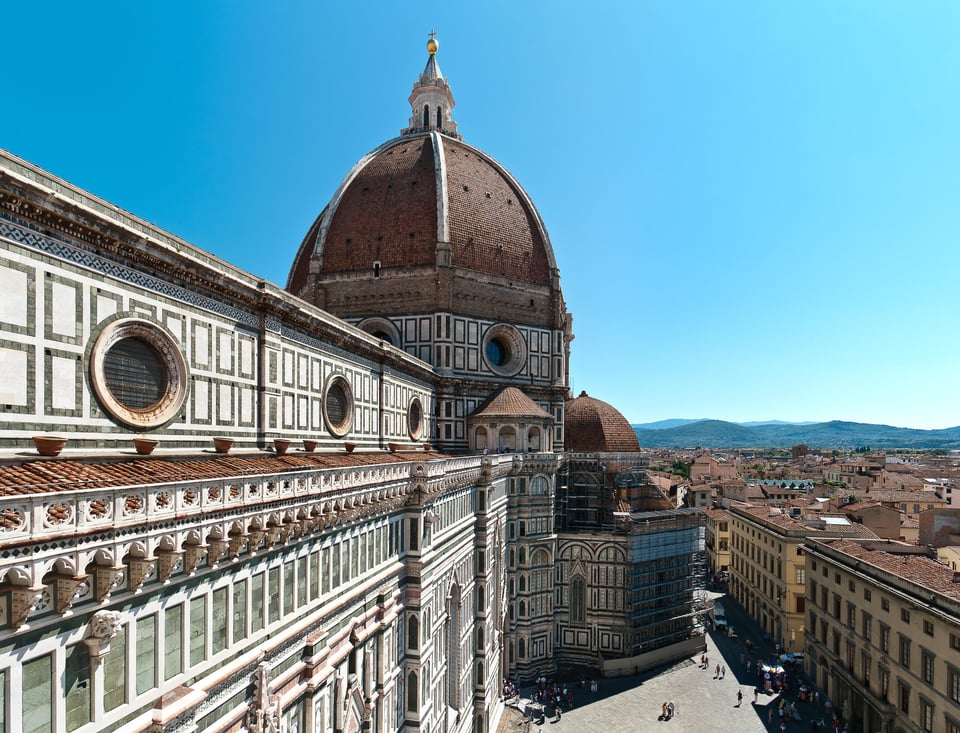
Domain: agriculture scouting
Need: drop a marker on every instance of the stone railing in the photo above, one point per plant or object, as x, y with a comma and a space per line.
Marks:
75, 508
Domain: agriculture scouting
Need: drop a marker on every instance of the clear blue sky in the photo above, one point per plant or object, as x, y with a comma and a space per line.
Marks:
755, 206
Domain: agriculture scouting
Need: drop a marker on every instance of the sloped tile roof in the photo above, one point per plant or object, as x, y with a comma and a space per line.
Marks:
510, 402
42, 476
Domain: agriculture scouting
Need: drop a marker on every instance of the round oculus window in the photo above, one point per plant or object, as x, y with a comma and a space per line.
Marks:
415, 419
504, 349
138, 373
338, 406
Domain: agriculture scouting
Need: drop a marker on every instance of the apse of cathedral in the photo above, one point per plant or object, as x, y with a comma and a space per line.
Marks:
356, 503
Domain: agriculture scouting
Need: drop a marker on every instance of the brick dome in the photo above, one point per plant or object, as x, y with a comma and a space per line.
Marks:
593, 426
422, 200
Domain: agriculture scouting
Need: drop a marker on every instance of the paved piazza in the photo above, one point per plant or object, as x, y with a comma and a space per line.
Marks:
702, 702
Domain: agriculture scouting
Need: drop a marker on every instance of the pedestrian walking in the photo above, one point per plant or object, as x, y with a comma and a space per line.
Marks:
756, 694
703, 660
770, 715
723, 671
671, 708
716, 675
739, 697
663, 711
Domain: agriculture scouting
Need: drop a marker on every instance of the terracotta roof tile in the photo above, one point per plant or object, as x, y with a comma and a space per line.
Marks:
924, 571
43, 476
511, 402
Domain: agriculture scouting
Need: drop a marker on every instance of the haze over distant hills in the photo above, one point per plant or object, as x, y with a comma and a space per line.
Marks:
836, 434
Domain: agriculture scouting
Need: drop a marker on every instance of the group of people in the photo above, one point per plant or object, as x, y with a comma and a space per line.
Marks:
667, 710
548, 694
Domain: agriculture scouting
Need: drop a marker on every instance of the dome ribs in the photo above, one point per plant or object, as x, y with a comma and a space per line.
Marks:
383, 216
595, 426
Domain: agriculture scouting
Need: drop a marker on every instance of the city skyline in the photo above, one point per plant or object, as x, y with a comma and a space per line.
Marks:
750, 206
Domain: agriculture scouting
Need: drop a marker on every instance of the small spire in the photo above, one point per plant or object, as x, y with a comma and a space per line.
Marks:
431, 101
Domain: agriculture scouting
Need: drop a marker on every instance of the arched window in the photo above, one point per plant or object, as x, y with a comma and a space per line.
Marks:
413, 633
522, 554
508, 439
533, 440
479, 673
480, 439
522, 648
412, 692
479, 637
426, 115
523, 583
523, 612
440, 117
578, 600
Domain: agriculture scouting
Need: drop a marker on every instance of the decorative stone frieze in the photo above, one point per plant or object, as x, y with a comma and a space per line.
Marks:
140, 569
237, 544
218, 548
69, 589
168, 563
23, 601
193, 555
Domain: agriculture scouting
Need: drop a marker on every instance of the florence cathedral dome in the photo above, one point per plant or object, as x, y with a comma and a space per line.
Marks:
427, 223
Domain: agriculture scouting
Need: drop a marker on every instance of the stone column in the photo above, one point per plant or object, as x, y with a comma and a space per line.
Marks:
103, 626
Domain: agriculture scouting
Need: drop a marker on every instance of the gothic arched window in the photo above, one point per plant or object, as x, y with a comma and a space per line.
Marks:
413, 633
578, 600
412, 692
426, 115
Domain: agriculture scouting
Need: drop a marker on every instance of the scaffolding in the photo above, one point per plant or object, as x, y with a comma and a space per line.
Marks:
668, 576
596, 490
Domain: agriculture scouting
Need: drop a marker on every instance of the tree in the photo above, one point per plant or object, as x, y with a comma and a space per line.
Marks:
679, 468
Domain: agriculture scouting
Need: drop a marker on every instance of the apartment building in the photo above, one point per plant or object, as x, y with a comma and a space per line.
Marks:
883, 634
767, 566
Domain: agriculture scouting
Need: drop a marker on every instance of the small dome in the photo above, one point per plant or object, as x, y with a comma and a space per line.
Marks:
593, 426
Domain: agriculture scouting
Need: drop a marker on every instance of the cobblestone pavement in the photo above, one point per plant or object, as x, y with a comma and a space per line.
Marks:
703, 702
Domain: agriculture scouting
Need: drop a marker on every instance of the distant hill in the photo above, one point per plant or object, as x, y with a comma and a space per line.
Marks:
835, 434
663, 424
758, 423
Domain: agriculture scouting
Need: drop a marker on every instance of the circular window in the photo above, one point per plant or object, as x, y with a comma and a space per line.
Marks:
138, 373
415, 419
504, 349
338, 406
